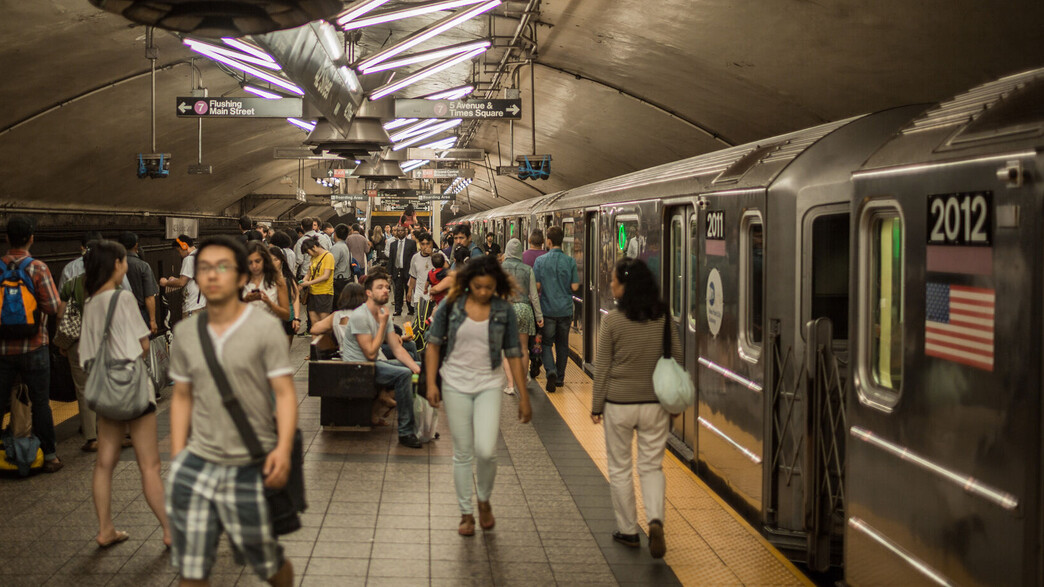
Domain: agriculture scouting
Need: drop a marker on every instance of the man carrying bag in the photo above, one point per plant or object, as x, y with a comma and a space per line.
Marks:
231, 474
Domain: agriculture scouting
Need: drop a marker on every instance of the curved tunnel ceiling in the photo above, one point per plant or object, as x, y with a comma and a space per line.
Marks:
620, 85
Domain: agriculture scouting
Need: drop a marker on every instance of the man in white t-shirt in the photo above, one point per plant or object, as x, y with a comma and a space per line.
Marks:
193, 301
420, 265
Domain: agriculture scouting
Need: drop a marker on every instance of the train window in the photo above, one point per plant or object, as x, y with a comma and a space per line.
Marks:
677, 274
569, 239
694, 277
881, 304
752, 274
830, 271
628, 241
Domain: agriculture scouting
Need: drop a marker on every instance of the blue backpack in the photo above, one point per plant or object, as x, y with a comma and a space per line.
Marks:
358, 269
20, 315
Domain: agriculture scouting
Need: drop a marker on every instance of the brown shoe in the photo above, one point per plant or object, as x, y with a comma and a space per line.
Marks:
467, 525
657, 543
90, 446
53, 466
486, 519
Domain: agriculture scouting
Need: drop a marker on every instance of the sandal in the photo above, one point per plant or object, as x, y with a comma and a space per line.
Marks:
90, 446
467, 525
121, 536
486, 519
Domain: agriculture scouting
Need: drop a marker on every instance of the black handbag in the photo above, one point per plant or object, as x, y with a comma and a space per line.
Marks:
286, 503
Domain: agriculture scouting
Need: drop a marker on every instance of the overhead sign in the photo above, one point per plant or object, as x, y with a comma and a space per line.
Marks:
191, 107
502, 109
443, 173
334, 90
507, 170
348, 198
437, 197
446, 154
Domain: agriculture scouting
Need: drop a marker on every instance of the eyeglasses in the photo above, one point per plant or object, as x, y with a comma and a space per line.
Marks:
220, 268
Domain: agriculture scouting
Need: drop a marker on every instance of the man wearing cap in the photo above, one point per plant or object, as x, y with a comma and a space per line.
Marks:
29, 357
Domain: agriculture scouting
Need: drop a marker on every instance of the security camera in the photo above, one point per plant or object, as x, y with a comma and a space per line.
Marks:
154, 165
702, 202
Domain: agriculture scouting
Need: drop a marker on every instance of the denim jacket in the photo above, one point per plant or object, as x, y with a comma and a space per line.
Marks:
503, 328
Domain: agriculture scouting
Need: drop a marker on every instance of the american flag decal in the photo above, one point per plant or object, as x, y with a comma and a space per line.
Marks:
959, 324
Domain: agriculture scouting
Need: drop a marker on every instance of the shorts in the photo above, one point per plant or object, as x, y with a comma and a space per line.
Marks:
526, 320
204, 499
320, 303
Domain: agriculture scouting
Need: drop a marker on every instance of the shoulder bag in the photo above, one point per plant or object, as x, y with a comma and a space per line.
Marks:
69, 327
117, 389
671, 382
285, 503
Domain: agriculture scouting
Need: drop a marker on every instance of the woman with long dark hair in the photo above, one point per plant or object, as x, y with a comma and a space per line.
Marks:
106, 264
378, 244
265, 287
408, 218
475, 324
291, 325
630, 342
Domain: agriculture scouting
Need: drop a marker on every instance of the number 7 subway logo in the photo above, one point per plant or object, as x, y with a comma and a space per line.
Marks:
960, 233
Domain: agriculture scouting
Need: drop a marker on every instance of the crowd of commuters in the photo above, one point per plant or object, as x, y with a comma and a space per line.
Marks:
247, 295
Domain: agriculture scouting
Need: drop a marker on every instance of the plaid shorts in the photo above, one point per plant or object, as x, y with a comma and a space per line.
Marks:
204, 498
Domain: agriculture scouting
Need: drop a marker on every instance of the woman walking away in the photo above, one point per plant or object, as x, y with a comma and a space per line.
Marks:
266, 287
630, 342
106, 264
476, 325
291, 325
525, 301
378, 244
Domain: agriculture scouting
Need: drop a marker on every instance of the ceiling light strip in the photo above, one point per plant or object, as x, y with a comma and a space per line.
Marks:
450, 94
303, 124
413, 130
399, 14
428, 56
432, 132
357, 11
427, 33
266, 63
247, 48
399, 122
446, 143
424, 73
262, 93
273, 79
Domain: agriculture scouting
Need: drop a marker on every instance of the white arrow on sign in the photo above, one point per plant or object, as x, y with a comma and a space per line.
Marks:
514, 110
183, 107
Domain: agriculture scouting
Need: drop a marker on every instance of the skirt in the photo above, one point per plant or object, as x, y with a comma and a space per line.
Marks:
526, 320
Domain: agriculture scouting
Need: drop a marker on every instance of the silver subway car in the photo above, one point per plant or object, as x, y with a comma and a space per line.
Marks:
834, 288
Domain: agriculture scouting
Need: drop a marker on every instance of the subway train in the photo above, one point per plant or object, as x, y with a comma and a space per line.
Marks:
859, 398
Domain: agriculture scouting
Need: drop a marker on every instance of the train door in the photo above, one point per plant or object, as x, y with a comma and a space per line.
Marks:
679, 275
589, 287
572, 245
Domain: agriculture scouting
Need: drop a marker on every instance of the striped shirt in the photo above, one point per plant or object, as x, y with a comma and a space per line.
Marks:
625, 359
46, 299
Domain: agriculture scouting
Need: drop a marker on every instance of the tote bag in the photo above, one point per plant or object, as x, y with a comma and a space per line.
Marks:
671, 382
116, 389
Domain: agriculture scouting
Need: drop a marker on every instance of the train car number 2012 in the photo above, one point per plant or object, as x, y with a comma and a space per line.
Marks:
964, 219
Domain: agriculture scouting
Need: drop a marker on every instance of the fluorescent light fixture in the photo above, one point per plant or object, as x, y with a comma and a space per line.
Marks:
426, 72
390, 15
357, 11
262, 93
331, 42
305, 125
427, 33
446, 143
434, 130
349, 78
428, 55
247, 48
399, 122
450, 94
266, 63
414, 164
413, 130
272, 79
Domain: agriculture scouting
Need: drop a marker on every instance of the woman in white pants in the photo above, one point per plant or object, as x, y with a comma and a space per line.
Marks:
630, 342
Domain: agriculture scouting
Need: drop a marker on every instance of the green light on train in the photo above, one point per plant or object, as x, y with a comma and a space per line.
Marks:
621, 238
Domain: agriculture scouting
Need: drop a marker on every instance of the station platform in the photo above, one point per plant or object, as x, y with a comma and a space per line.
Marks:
383, 514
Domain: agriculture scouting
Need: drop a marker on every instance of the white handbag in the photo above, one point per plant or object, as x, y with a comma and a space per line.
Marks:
671, 381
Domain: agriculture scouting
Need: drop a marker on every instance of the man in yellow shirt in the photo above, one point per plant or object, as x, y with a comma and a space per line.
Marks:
319, 280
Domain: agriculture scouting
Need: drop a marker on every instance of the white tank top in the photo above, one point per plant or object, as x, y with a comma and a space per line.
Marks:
271, 291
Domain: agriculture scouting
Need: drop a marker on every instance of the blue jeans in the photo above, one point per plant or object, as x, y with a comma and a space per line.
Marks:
400, 377
556, 330
409, 345
474, 421
35, 369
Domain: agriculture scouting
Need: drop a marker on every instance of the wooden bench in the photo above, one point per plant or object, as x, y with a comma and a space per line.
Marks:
348, 390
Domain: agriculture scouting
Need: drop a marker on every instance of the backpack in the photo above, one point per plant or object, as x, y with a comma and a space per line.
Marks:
20, 315
358, 269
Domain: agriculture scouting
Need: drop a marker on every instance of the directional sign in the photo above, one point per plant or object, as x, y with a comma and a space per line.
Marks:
507, 170
443, 173
446, 154
348, 198
504, 109
190, 107
437, 198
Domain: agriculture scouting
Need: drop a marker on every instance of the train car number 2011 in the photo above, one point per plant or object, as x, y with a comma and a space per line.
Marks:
716, 225
964, 219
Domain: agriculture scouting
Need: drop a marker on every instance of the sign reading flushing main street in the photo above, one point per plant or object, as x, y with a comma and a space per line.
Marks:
191, 107
503, 109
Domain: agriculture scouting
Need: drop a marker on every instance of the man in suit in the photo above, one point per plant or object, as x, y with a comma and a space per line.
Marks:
400, 255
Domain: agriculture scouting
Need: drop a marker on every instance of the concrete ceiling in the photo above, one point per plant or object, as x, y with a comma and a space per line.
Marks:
620, 85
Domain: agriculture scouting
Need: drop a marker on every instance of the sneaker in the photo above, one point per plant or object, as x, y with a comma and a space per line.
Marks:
631, 540
551, 381
657, 544
509, 390
410, 441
